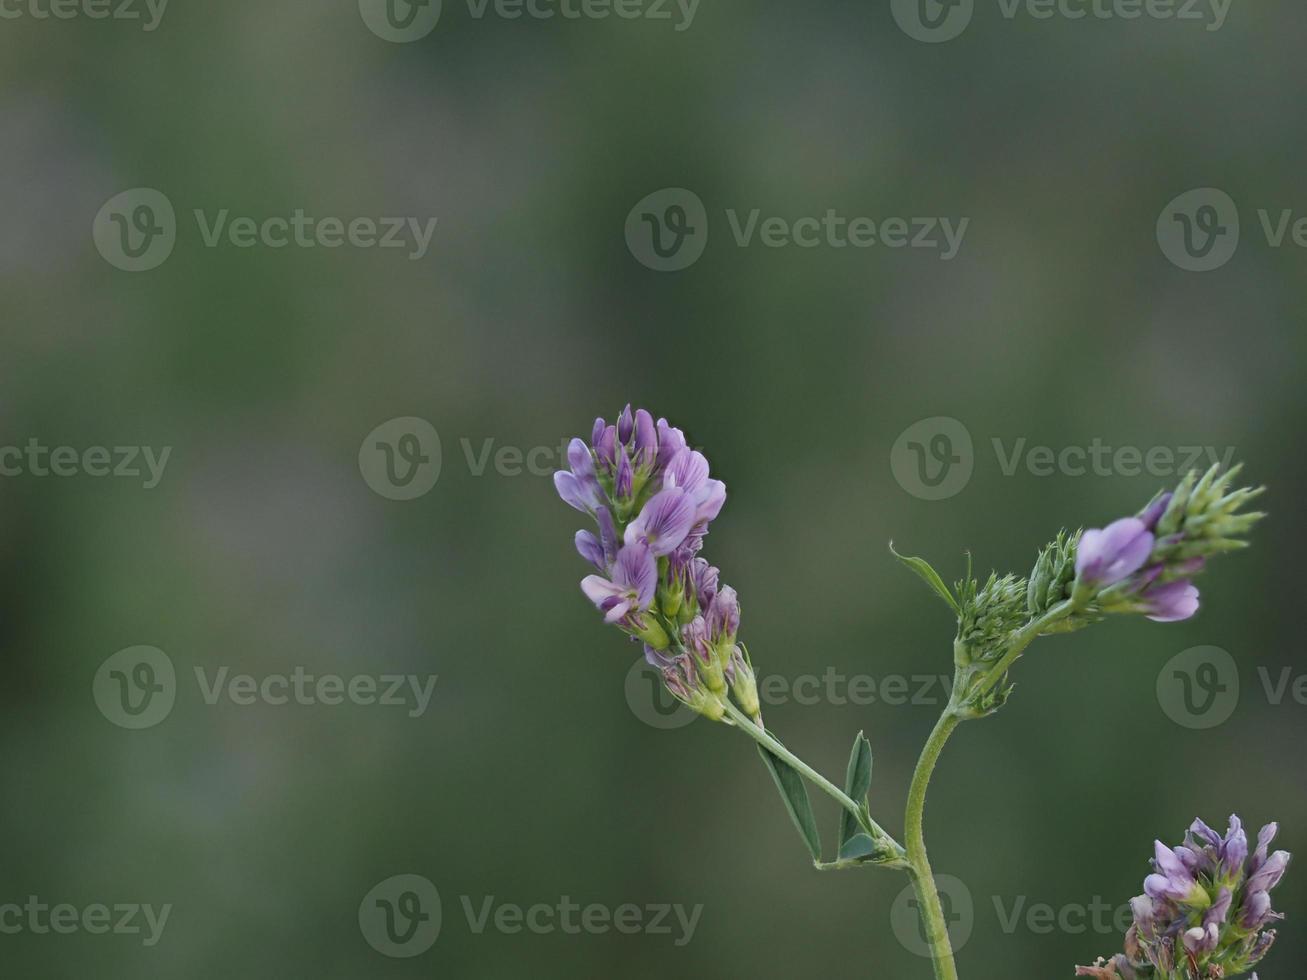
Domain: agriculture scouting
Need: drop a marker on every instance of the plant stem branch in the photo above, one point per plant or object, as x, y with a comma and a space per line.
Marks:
923, 878
764, 738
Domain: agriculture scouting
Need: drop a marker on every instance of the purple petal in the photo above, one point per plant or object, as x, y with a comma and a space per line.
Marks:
1171, 602
635, 569
606, 446
710, 501
646, 439
617, 610
598, 589
1154, 511
625, 479
574, 491
1106, 557
607, 535
591, 549
625, 425
663, 523
579, 458
687, 470
670, 442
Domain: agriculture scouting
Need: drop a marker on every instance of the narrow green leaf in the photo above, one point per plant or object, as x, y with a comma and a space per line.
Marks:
858, 846
930, 577
857, 783
795, 795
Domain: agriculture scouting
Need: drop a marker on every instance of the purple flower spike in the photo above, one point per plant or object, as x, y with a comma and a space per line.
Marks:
1206, 923
653, 499
1171, 601
630, 589
663, 523
1105, 557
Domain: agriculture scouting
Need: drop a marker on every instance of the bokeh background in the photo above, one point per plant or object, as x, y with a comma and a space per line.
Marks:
531, 776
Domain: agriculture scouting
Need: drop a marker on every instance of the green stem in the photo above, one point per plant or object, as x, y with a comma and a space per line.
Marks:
1022, 638
764, 738
923, 879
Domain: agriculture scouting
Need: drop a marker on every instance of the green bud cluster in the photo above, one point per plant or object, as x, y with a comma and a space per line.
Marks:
1203, 518
989, 614
1052, 581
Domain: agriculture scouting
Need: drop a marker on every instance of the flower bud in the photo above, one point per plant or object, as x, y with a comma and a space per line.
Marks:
744, 684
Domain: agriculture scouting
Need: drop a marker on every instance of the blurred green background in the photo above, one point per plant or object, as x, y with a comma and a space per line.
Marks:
531, 776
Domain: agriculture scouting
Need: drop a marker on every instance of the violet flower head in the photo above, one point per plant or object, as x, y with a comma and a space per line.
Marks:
1205, 909
653, 498
1144, 564
1106, 556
